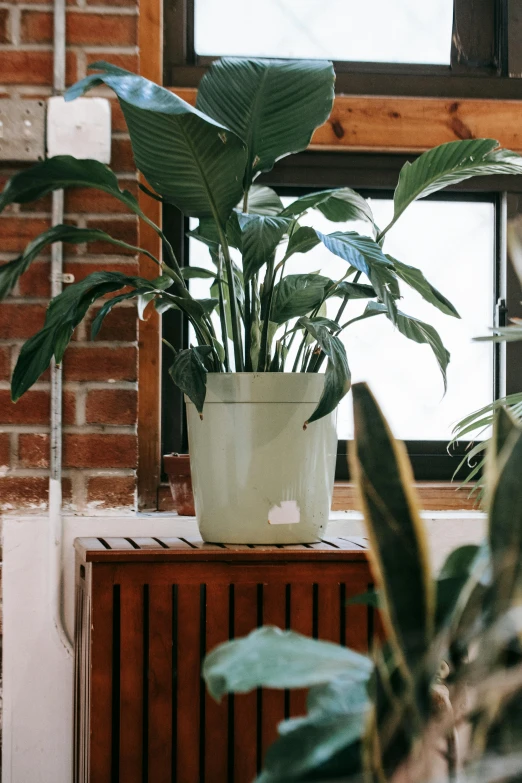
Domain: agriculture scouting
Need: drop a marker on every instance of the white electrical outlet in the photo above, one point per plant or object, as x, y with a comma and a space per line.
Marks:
81, 128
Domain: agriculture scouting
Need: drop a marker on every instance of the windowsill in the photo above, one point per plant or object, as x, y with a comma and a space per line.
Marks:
433, 496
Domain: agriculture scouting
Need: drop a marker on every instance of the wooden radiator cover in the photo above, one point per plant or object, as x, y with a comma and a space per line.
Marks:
148, 609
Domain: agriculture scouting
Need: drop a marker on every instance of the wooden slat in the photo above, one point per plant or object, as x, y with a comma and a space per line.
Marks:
150, 39
175, 543
301, 620
322, 546
433, 496
131, 682
101, 675
188, 682
356, 615
402, 124
160, 684
145, 542
216, 715
118, 543
245, 705
329, 612
273, 701
357, 541
93, 544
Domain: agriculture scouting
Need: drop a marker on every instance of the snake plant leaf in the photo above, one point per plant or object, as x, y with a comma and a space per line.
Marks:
13, 270
339, 205
297, 295
261, 235
302, 240
189, 373
398, 548
64, 314
337, 377
416, 280
262, 201
188, 158
359, 251
271, 658
419, 332
273, 105
449, 164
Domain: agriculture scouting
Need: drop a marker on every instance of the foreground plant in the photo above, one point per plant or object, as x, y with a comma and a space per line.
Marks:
390, 715
205, 160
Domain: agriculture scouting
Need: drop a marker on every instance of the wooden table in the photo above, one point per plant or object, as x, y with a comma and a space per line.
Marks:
147, 610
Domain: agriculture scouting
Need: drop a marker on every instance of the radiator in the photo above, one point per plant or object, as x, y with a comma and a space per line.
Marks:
147, 610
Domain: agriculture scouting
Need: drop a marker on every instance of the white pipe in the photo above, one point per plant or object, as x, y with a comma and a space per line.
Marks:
56, 560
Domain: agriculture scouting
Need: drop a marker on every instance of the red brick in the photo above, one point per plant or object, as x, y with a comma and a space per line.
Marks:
69, 407
4, 448
4, 25
99, 29
128, 61
82, 269
36, 27
111, 491
125, 230
118, 119
23, 492
111, 406
33, 67
122, 157
100, 451
120, 325
36, 281
33, 450
96, 363
20, 320
5, 363
121, 3
17, 232
32, 408
80, 200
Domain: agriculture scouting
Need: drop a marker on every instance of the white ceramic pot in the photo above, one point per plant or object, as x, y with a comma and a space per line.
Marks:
258, 476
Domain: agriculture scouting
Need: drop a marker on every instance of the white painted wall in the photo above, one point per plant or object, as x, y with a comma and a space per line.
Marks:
38, 671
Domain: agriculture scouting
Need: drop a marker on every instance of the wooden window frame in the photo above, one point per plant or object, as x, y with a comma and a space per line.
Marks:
384, 122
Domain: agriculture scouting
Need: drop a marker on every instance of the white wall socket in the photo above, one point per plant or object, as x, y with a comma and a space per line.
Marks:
81, 128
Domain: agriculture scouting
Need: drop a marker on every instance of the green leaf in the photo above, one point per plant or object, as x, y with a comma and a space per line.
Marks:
297, 295
302, 240
271, 658
459, 562
273, 105
262, 201
107, 307
398, 548
10, 272
419, 332
354, 290
337, 376
359, 251
189, 373
63, 315
189, 159
416, 280
339, 205
449, 164
260, 237
191, 272
369, 598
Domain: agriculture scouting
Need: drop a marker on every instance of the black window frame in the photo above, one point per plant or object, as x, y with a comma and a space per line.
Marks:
368, 173
485, 59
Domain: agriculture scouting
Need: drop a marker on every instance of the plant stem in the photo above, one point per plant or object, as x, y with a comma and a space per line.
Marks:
236, 332
263, 349
222, 314
316, 364
248, 329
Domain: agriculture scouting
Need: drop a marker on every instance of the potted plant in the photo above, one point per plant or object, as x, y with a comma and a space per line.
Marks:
443, 695
261, 412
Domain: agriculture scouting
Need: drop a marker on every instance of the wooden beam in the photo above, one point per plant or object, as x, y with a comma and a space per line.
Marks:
383, 124
150, 36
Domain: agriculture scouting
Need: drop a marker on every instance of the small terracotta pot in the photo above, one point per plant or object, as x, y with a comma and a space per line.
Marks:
177, 468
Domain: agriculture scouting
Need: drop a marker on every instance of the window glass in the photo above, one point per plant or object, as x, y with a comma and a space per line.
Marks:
397, 31
452, 242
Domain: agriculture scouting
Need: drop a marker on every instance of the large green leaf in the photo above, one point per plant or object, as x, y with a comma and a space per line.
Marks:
302, 240
262, 201
339, 205
359, 251
416, 280
297, 295
63, 315
337, 377
274, 105
10, 272
271, 658
189, 159
189, 373
398, 542
354, 290
449, 164
261, 235
419, 332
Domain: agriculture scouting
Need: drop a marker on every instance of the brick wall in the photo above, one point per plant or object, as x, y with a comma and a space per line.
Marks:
100, 377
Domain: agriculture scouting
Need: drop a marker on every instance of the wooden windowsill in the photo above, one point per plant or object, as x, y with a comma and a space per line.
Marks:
433, 496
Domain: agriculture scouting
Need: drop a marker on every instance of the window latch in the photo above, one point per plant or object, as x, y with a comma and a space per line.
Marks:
500, 313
